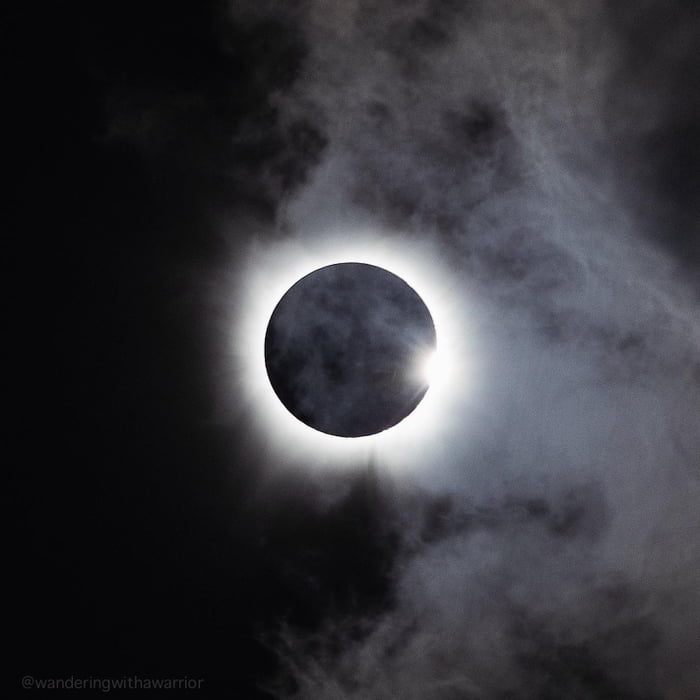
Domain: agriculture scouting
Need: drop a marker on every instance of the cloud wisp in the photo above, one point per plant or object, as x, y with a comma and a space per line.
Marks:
563, 557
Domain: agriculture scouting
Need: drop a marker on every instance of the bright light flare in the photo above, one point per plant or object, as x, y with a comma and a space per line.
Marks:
428, 368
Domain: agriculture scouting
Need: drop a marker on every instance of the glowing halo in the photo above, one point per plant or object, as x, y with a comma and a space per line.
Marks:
270, 269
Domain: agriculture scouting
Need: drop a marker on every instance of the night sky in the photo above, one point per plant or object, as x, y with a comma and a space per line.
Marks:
537, 165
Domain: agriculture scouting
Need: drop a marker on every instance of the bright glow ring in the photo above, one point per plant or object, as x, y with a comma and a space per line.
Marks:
270, 270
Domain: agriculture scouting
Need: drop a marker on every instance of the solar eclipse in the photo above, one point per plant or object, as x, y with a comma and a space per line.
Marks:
344, 349
445, 366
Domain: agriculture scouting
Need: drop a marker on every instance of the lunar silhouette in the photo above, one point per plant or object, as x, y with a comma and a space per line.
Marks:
343, 347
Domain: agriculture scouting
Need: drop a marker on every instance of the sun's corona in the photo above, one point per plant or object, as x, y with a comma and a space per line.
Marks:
270, 270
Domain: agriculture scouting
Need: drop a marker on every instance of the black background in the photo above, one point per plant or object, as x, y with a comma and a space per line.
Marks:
144, 545
142, 554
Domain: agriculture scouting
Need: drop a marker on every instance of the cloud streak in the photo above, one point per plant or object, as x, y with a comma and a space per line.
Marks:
556, 552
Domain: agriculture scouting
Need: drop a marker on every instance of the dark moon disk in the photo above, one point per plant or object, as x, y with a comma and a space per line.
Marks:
343, 347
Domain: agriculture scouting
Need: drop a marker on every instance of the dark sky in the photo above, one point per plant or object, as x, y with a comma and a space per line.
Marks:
167, 159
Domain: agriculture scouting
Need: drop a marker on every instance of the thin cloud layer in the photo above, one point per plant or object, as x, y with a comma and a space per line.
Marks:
554, 553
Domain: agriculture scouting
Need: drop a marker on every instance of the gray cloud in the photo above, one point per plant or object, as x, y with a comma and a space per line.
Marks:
556, 553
